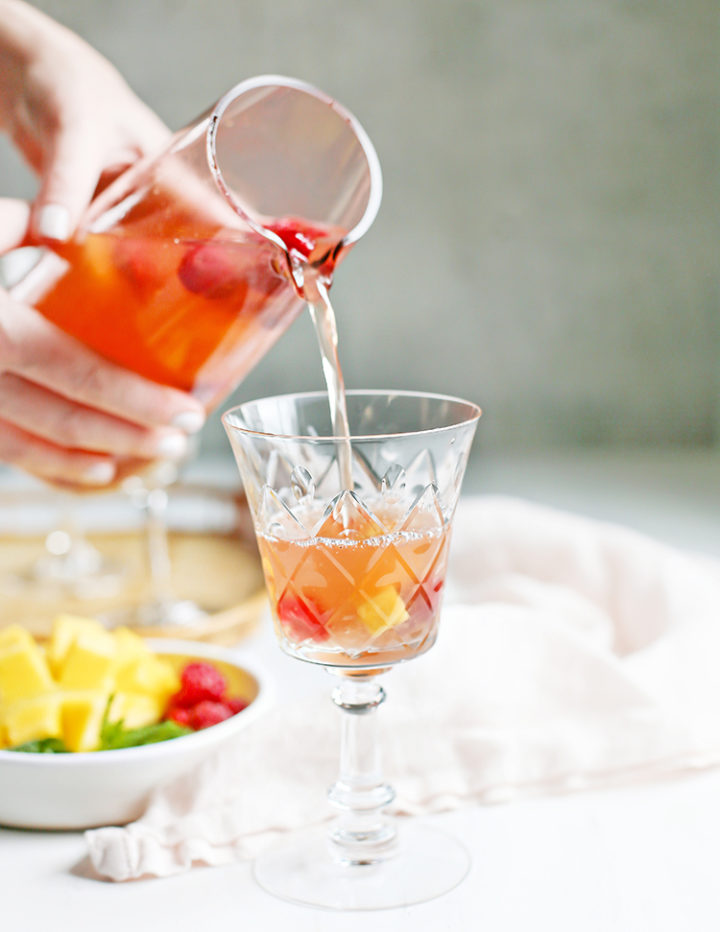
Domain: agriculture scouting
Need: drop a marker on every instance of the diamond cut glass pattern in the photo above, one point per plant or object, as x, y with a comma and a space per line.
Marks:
357, 579
348, 589
356, 575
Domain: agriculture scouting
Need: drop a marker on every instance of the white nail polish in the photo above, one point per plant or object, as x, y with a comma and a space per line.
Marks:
172, 446
189, 421
100, 473
54, 222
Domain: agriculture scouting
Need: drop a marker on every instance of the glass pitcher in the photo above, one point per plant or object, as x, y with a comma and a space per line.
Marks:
189, 266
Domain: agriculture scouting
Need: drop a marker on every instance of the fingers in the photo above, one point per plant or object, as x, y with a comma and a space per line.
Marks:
14, 263
82, 154
70, 113
50, 462
63, 409
14, 219
41, 353
70, 176
64, 423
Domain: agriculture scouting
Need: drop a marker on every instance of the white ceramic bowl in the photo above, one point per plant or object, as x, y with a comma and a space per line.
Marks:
76, 791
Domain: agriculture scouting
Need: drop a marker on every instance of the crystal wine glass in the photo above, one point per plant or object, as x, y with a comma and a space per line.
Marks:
355, 579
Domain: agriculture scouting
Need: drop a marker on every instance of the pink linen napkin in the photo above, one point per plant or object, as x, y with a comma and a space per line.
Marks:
572, 654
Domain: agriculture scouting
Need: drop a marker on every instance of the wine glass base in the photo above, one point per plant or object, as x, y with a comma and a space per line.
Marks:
425, 865
163, 613
53, 577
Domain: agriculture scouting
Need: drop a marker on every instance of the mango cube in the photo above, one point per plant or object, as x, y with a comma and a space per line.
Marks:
141, 674
23, 672
14, 634
32, 719
66, 629
148, 675
129, 646
63, 691
383, 610
99, 259
81, 717
135, 710
90, 662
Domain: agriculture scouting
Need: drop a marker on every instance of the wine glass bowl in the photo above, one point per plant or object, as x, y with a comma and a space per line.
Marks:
355, 577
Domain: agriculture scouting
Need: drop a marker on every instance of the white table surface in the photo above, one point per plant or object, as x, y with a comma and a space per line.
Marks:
644, 858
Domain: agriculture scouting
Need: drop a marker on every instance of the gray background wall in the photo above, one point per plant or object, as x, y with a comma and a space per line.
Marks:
549, 238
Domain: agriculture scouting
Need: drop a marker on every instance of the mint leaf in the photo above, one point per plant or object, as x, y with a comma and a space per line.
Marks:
42, 746
110, 734
115, 736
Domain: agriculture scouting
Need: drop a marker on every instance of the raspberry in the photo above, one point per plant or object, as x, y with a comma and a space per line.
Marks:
179, 715
235, 704
142, 265
199, 681
208, 713
299, 621
214, 270
298, 236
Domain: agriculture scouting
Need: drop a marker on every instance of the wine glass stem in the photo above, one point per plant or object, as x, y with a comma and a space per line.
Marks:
71, 557
362, 833
156, 541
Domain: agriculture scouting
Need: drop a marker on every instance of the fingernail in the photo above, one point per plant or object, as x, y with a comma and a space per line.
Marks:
172, 446
100, 473
189, 421
54, 222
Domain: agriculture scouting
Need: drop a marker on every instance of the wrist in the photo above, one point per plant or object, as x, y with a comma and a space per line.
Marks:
21, 34
27, 37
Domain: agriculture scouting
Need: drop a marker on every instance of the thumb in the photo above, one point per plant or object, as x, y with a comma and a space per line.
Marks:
14, 219
67, 186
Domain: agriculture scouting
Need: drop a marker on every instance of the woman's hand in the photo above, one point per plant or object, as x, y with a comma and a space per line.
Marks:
70, 114
66, 414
